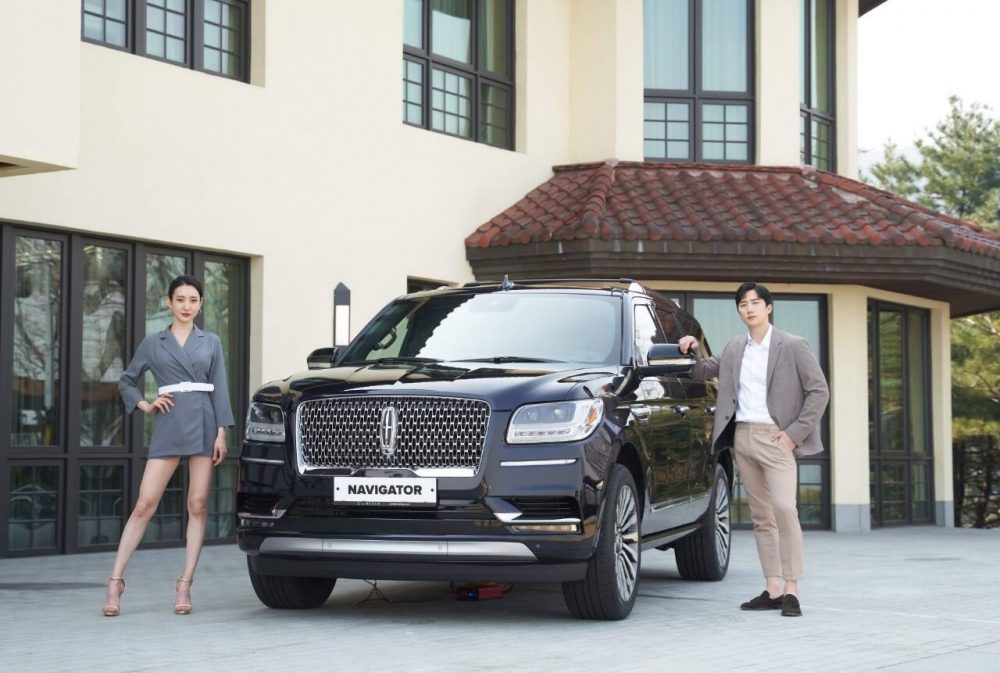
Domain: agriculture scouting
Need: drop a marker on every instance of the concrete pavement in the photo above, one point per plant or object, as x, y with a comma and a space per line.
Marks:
909, 600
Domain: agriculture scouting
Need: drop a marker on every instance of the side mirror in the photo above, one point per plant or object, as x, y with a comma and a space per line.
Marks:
667, 359
323, 358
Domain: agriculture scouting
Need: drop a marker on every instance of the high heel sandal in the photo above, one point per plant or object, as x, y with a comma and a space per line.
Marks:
114, 610
182, 608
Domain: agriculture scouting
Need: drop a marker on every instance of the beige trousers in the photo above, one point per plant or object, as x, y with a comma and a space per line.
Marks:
770, 480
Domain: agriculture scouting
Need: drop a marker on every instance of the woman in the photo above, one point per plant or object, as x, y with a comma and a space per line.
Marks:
192, 412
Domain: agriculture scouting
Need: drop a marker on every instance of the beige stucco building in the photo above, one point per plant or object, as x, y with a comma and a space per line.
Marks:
288, 169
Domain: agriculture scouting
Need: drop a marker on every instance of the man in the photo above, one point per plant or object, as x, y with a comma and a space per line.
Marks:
772, 388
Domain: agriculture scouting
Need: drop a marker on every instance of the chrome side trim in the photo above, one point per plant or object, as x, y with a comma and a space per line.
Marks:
275, 514
515, 517
513, 551
262, 461
537, 463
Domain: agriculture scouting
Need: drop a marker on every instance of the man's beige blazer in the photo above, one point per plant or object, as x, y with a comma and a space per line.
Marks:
797, 392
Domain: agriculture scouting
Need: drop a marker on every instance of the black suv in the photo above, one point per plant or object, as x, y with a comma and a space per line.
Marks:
514, 431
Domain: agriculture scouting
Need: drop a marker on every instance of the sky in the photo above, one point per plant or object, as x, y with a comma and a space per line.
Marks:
913, 55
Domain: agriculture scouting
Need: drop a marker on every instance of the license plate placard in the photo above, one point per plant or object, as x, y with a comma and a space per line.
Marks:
390, 490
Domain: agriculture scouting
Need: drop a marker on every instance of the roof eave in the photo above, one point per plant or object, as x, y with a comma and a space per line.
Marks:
966, 282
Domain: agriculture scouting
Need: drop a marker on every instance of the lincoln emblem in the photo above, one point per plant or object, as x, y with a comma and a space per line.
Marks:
388, 431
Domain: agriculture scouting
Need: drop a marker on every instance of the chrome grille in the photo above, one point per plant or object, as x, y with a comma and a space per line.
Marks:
433, 432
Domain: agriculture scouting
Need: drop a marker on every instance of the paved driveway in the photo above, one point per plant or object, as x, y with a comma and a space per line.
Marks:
904, 600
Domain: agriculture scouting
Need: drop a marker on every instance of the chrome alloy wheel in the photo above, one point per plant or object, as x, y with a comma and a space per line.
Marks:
722, 521
626, 544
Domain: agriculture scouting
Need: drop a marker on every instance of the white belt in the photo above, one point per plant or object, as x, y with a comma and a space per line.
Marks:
186, 387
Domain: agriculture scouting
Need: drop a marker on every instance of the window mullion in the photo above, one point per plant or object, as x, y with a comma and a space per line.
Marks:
429, 65
476, 68
196, 33
139, 28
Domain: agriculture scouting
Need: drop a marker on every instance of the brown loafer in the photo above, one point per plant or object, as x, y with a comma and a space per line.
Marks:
790, 606
763, 602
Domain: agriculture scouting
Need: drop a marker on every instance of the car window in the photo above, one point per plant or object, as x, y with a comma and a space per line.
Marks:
565, 327
671, 322
647, 332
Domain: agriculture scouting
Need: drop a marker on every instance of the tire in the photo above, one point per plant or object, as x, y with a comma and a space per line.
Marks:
704, 554
290, 593
610, 587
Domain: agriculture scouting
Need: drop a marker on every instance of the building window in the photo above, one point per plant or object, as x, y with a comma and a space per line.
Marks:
34, 508
899, 429
102, 505
207, 35
458, 68
698, 73
106, 21
816, 86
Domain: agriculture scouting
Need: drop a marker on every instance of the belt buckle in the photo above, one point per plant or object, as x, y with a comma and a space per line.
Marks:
185, 386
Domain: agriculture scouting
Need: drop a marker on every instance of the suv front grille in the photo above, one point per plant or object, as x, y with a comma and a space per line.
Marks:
432, 432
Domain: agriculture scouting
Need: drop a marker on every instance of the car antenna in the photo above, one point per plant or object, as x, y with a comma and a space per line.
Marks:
506, 284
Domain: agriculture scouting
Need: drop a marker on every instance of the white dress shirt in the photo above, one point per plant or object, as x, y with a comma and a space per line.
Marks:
751, 403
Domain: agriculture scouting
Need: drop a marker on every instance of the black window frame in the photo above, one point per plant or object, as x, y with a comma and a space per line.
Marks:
695, 96
808, 113
878, 457
428, 61
135, 36
68, 455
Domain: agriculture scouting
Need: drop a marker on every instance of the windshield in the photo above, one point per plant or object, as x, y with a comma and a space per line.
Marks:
498, 327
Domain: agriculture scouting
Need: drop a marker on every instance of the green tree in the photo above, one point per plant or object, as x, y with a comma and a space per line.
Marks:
958, 174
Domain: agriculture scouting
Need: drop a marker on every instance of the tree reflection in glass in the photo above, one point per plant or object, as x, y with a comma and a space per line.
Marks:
103, 352
37, 337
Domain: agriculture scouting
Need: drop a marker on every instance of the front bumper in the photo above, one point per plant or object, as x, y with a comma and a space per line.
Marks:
529, 514
376, 558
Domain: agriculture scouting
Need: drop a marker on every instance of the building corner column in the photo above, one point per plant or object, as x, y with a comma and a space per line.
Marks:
849, 461
944, 479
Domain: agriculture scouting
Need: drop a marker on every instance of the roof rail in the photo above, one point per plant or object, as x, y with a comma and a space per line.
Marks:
516, 282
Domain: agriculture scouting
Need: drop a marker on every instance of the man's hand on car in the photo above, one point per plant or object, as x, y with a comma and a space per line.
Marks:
687, 342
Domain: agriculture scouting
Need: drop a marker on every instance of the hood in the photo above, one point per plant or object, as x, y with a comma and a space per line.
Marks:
505, 386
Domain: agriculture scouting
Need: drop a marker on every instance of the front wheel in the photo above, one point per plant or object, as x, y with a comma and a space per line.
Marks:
704, 554
290, 593
609, 589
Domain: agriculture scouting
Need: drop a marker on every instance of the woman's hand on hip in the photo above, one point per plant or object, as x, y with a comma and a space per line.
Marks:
162, 404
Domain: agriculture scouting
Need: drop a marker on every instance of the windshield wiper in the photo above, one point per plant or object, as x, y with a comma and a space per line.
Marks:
394, 360
497, 359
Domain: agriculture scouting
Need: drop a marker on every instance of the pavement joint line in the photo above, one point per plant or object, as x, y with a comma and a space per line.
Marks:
971, 620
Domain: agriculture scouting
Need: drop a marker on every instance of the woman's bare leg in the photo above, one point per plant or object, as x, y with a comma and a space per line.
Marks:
155, 478
199, 483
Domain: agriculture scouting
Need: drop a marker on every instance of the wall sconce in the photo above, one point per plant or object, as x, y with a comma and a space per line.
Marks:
341, 315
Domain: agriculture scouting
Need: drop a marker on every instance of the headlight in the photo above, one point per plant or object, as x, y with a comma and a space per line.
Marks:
265, 423
555, 422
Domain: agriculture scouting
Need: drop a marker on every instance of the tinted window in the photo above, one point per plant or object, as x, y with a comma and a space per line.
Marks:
552, 326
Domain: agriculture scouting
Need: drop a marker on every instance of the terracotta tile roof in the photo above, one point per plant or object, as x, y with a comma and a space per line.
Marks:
696, 202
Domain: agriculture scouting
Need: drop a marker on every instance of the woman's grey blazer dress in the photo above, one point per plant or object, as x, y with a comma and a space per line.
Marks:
193, 423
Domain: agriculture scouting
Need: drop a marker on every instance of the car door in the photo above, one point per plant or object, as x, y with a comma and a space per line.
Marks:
700, 396
661, 408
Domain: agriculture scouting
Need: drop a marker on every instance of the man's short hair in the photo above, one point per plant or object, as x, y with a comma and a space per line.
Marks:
761, 291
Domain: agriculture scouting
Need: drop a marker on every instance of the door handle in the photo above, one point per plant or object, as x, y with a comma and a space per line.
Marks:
710, 410
641, 411
682, 410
